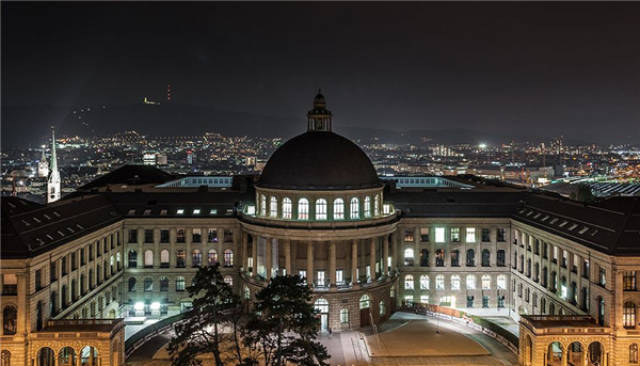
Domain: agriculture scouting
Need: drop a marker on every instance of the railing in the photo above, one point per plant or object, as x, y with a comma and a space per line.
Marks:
485, 326
139, 338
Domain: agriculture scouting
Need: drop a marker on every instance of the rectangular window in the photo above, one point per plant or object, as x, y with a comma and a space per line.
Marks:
164, 236
228, 236
555, 255
500, 235
471, 235
629, 281
196, 235
485, 301
585, 268
424, 258
486, 236
320, 278
38, 279
424, 234
52, 272
455, 258
339, 279
455, 234
440, 235
500, 258
180, 236
133, 236
303, 274
148, 236
74, 261
82, 257
565, 258
602, 279
408, 235
212, 236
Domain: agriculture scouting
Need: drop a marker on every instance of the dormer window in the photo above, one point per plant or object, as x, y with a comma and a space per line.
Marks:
196, 211
180, 211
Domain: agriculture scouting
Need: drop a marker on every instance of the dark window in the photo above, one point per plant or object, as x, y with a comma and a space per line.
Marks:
485, 301
455, 258
132, 284
180, 258
486, 258
500, 235
38, 279
196, 235
180, 236
148, 236
471, 258
133, 236
133, 259
212, 236
536, 247
164, 284
74, 261
52, 272
485, 236
544, 277
439, 258
500, 258
164, 236
424, 234
90, 252
82, 258
63, 266
148, 285
424, 258
469, 301
501, 301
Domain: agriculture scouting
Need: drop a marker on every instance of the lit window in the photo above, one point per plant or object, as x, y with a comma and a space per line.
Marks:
386, 209
502, 282
228, 258
344, 316
408, 282
263, 205
365, 301
214, 211
486, 282
440, 235
376, 205
424, 299
355, 208
424, 282
180, 211
303, 209
408, 257
196, 211
338, 209
286, 208
455, 282
439, 282
228, 280
367, 206
471, 235
273, 207
321, 209
629, 315
471, 282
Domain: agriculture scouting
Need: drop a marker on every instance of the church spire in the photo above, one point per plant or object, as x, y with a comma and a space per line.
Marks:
319, 118
53, 183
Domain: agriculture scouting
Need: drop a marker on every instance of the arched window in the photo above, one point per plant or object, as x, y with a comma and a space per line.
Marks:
212, 257
133, 259
286, 208
365, 301
383, 310
633, 353
455, 282
439, 282
629, 315
376, 205
486, 258
408, 257
338, 209
355, 208
367, 206
471, 258
228, 280
9, 320
164, 258
67, 356
263, 205
501, 282
164, 284
5, 358
303, 209
273, 207
148, 258
228, 258
196, 258
148, 284
321, 209
471, 282
132, 284
46, 357
486, 282
408, 282
424, 282
322, 306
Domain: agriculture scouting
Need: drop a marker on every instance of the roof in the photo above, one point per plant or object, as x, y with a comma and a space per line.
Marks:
130, 175
319, 160
30, 229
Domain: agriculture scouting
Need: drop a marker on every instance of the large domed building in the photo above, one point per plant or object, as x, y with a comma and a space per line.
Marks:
320, 213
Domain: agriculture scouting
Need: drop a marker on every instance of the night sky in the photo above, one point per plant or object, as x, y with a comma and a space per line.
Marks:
508, 68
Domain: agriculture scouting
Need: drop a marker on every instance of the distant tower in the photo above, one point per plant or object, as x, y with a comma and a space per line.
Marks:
319, 118
189, 157
43, 165
53, 184
168, 92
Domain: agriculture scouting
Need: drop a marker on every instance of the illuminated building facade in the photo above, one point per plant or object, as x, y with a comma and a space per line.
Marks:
124, 247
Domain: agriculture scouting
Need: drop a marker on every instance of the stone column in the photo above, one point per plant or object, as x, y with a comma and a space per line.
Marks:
23, 324
244, 255
254, 255
310, 262
268, 258
385, 253
416, 247
372, 257
140, 237
287, 256
188, 236
354, 262
618, 294
394, 249
332, 263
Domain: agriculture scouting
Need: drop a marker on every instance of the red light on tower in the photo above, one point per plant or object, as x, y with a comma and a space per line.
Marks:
168, 92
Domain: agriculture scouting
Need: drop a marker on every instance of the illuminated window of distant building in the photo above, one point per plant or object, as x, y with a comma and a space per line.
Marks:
376, 205
367, 206
455, 282
273, 207
408, 257
471, 235
439, 282
355, 208
263, 205
440, 235
471, 282
455, 234
424, 282
501, 282
286, 208
338, 209
321, 209
408, 282
486, 282
303, 209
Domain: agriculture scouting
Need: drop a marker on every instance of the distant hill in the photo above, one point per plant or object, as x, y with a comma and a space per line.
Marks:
22, 126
